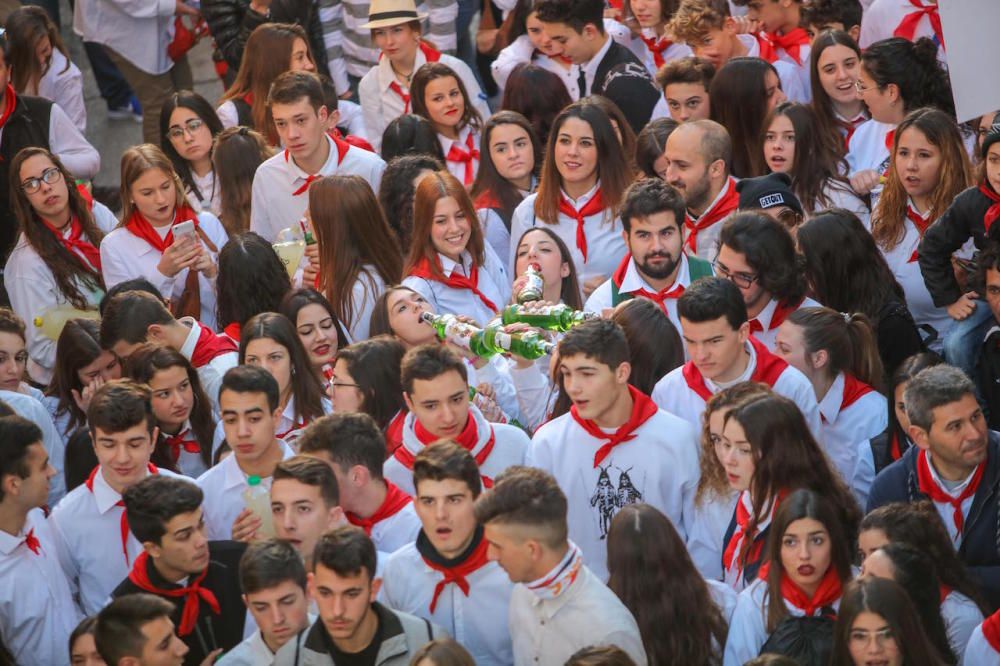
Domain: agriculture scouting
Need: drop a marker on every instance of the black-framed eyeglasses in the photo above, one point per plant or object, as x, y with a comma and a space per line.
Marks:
50, 176
191, 126
336, 384
741, 280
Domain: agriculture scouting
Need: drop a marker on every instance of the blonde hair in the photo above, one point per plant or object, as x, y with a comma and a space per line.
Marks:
136, 161
694, 19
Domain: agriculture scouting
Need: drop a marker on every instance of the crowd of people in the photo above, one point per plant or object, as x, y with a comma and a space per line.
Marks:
605, 333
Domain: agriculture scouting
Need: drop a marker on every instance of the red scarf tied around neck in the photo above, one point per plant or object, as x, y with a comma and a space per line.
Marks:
592, 207
993, 212
781, 312
75, 242
656, 46
723, 207
123, 522
457, 574
674, 291
643, 409
467, 439
991, 630
394, 502
907, 28
792, 42
455, 280
928, 486
139, 226
193, 594
828, 592
466, 157
921, 224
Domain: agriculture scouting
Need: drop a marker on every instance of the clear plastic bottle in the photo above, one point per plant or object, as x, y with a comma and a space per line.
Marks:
52, 321
257, 498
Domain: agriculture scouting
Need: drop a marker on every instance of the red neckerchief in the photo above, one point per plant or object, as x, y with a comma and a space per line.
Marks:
792, 42
486, 200
193, 593
233, 331
944, 591
209, 345
75, 243
993, 212
466, 157
657, 46
124, 519
850, 126
742, 523
140, 227
10, 97
723, 207
33, 544
991, 630
467, 439
455, 281
781, 312
921, 224
351, 140
659, 297
398, 89
643, 409
342, 148
394, 433
294, 428
929, 487
476, 560
181, 440
592, 207
854, 390
907, 28
894, 450
827, 593
394, 502
767, 370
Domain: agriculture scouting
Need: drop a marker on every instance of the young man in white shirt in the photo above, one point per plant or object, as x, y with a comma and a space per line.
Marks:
248, 401
136, 630
781, 37
273, 580
445, 576
132, 318
717, 338
436, 391
304, 503
353, 627
614, 447
757, 254
699, 153
902, 18
354, 448
655, 267
280, 193
558, 605
98, 547
37, 610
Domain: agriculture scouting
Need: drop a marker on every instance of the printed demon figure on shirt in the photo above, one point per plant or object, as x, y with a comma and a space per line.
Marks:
607, 499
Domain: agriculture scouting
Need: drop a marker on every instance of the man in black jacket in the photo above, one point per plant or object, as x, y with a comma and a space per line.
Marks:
955, 464
180, 565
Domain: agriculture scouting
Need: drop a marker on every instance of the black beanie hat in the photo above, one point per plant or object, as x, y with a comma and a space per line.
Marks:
774, 189
992, 136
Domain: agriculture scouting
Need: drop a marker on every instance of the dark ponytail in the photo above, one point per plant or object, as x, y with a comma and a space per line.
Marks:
914, 68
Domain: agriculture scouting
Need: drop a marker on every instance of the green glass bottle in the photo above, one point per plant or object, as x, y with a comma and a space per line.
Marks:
449, 328
488, 342
551, 317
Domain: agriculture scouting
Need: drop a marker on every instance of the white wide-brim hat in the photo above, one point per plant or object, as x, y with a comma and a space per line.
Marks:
386, 13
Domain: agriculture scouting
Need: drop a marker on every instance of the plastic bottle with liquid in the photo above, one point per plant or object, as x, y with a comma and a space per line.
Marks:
52, 321
257, 498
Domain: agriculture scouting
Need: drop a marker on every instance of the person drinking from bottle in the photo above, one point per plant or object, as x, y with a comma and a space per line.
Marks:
655, 267
436, 390
449, 263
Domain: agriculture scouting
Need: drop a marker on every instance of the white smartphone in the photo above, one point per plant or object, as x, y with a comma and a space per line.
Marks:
183, 230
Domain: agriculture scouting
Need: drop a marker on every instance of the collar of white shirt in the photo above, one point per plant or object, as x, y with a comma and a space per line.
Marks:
957, 490
829, 406
718, 197
234, 476
590, 68
448, 265
584, 198
8, 541
913, 206
463, 136
633, 280
104, 495
386, 76
765, 316
296, 176
745, 377
191, 341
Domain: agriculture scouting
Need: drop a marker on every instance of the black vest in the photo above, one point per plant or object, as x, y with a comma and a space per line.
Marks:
27, 126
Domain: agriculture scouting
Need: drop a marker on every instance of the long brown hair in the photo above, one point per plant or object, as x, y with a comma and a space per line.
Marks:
804, 503
653, 341
847, 338
374, 364
68, 269
78, 346
569, 290
641, 540
26, 26
613, 169
418, 87
818, 156
136, 161
431, 188
822, 105
237, 153
353, 238
147, 360
786, 458
267, 54
941, 131
488, 180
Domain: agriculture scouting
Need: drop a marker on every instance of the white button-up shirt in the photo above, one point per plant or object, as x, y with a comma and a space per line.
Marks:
32, 409
769, 336
844, 428
37, 611
63, 84
274, 206
138, 30
211, 373
492, 282
223, 486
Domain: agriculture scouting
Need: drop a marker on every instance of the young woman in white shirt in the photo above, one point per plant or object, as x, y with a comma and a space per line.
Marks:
640, 540
834, 62
81, 368
508, 170
320, 332
55, 260
14, 355
385, 91
182, 410
153, 205
188, 126
236, 154
584, 176
40, 62
928, 168
440, 96
251, 280
269, 340
357, 253
795, 143
806, 567
530, 43
272, 49
448, 262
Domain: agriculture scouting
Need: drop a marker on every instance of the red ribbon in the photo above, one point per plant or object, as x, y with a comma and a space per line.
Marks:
193, 593
592, 207
394, 502
643, 409
10, 97
723, 207
792, 42
657, 46
209, 345
179, 441
991, 630
466, 157
342, 148
140, 227
455, 280
123, 524
32, 542
781, 312
457, 574
929, 487
921, 224
75, 243
676, 290
827, 593
767, 370
907, 28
